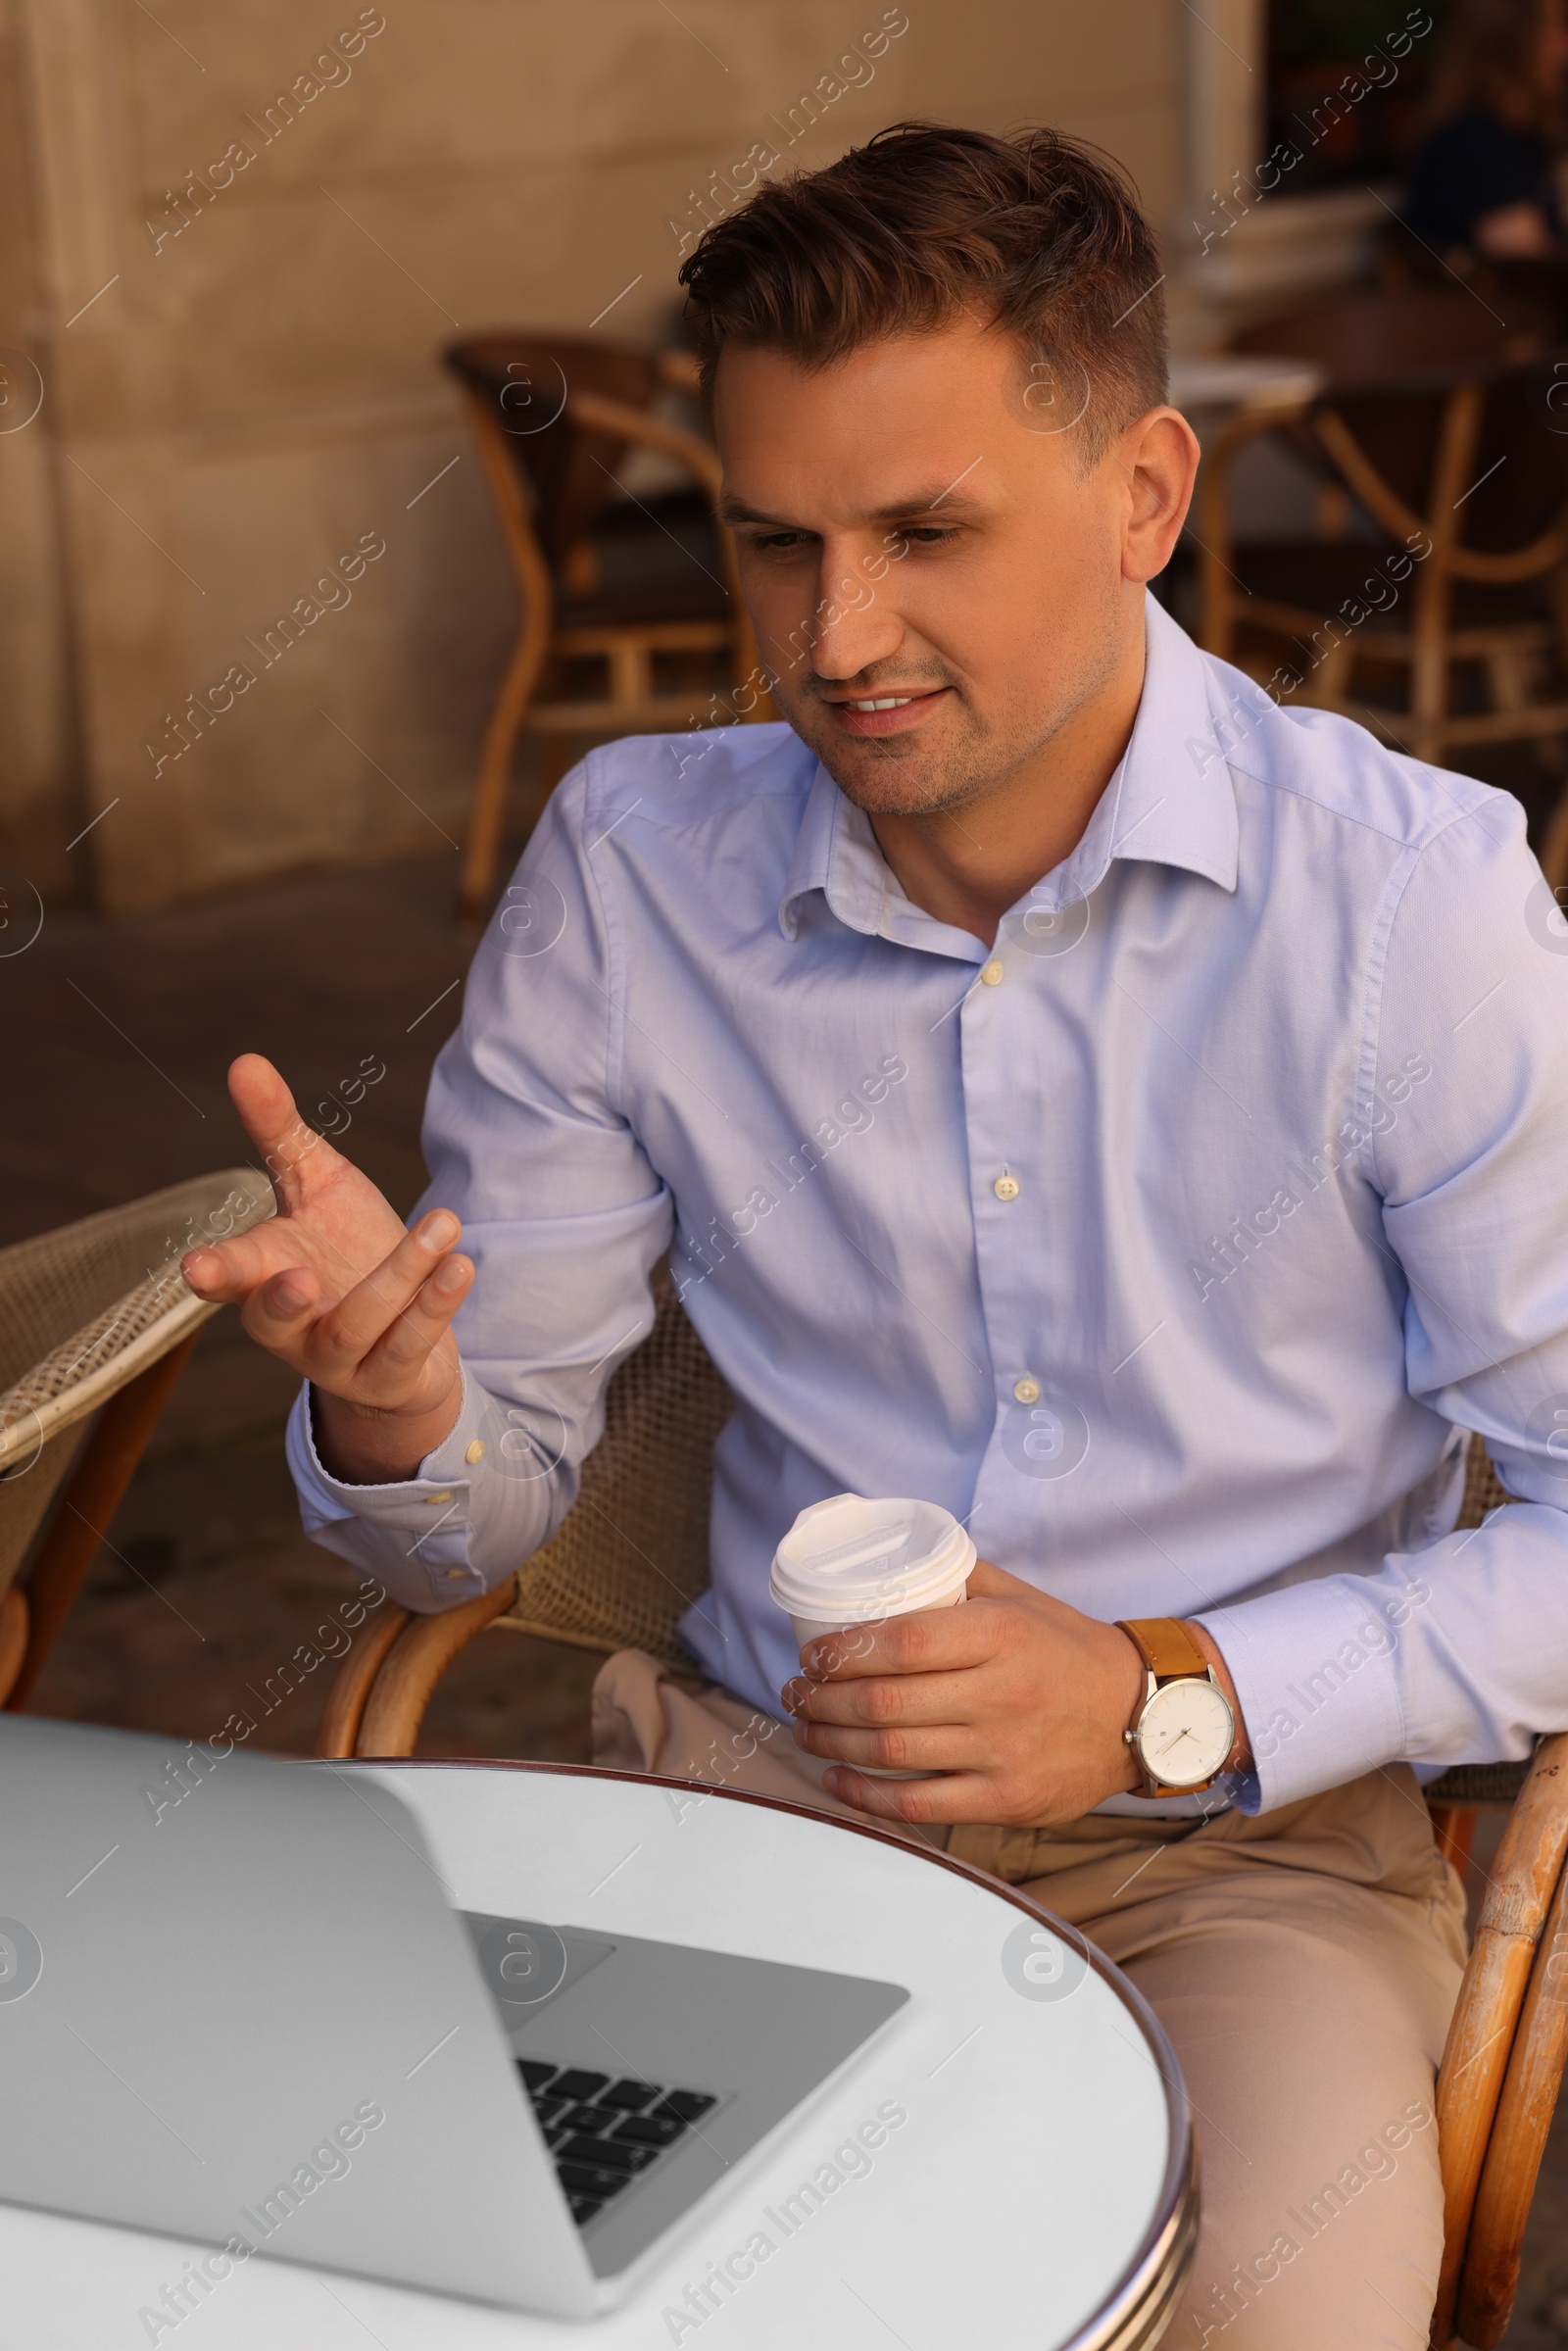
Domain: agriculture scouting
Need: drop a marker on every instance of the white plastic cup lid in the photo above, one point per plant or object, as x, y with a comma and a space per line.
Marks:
849, 1560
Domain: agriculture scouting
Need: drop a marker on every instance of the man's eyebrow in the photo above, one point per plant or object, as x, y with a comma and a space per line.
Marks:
936, 498
736, 509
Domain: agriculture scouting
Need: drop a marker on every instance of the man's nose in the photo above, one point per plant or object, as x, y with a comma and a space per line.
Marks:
853, 627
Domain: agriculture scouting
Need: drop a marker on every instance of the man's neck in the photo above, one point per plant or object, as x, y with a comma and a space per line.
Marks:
966, 867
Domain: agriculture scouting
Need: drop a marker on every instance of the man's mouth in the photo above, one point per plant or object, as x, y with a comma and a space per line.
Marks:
884, 714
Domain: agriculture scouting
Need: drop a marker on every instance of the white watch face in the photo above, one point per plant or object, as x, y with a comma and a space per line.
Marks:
1185, 1733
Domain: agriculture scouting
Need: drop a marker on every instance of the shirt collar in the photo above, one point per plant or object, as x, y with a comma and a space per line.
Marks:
837, 852
825, 857
1170, 803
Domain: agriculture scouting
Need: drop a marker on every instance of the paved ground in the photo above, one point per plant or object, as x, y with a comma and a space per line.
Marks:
118, 1035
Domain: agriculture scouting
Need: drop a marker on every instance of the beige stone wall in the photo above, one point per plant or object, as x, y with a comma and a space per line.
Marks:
238, 304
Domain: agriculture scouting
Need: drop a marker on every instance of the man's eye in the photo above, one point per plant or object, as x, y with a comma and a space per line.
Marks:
780, 542
924, 534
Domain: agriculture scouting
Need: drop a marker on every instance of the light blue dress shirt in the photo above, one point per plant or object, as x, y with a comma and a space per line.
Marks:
1170, 1244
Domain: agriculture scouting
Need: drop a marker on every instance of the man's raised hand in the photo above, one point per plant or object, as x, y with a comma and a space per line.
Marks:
337, 1287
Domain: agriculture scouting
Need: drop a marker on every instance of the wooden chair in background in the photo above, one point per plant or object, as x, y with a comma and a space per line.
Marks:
1431, 428
555, 419
595, 1586
96, 1326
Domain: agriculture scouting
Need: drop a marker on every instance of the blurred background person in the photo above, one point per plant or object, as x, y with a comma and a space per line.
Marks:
1484, 179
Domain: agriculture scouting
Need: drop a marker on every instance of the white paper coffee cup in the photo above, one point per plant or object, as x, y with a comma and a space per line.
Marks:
850, 1561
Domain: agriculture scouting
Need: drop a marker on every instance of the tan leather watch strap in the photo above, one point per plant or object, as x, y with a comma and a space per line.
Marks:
1165, 1645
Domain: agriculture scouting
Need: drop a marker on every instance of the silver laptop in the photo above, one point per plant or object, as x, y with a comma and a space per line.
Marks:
237, 2005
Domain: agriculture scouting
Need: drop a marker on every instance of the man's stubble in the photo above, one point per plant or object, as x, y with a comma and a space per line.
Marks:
900, 776
897, 776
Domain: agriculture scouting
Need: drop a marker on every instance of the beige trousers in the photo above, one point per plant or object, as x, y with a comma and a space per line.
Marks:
1305, 1965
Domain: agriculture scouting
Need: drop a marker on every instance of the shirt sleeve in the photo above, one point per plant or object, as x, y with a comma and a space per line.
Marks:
563, 1218
1456, 1652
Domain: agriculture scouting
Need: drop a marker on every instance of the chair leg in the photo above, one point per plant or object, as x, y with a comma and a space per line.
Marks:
344, 1711
1470, 2081
1512, 676
1518, 2140
1429, 679
414, 1664
1329, 686
1431, 662
631, 670
488, 813
1216, 626
1333, 517
13, 1636
88, 1504
555, 758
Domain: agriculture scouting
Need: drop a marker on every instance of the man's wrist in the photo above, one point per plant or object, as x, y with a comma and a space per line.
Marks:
1135, 1678
359, 1445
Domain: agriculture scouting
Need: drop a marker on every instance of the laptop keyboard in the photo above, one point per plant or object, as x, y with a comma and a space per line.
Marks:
603, 2133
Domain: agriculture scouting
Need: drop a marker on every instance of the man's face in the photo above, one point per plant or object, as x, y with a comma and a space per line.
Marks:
916, 530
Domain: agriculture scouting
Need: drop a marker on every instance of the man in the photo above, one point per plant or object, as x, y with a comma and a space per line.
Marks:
1072, 1088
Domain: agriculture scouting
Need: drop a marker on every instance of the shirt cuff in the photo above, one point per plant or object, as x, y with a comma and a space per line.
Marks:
427, 1516
1313, 1669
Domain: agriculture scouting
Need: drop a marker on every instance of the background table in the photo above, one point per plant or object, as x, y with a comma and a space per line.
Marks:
1222, 383
1041, 2143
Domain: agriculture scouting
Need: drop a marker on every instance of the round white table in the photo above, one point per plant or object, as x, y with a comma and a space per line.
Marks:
1040, 2191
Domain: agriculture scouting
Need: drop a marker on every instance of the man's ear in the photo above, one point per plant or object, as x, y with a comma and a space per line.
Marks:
1158, 460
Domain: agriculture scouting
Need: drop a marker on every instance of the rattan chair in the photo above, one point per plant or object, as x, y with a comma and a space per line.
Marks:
554, 419
625, 1564
631, 1557
95, 1328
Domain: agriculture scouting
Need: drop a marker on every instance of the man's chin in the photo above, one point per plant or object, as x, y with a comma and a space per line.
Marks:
913, 784
895, 796
895, 776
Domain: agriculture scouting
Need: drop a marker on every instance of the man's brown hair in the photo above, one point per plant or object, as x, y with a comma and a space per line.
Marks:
1038, 234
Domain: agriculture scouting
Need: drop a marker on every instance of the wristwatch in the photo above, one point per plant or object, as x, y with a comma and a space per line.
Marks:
1184, 1728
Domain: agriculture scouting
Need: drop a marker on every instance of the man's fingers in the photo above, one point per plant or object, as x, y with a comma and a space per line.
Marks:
272, 1122
225, 1271
352, 1328
949, 1747
926, 1640
949, 1797
380, 1331
988, 1583
264, 1101
423, 1322
281, 1309
888, 1701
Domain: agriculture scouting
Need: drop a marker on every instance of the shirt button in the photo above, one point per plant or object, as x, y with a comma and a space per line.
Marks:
475, 1451
1005, 1187
431, 1499
451, 1572
991, 973
1026, 1390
